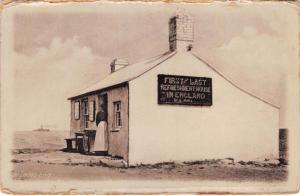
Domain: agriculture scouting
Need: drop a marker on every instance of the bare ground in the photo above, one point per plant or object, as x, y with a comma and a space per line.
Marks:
37, 171
38, 156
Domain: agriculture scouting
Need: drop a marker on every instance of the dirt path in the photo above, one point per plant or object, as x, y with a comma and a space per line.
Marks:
37, 171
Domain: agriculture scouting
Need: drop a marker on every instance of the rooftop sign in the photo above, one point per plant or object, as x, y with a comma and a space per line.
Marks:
184, 90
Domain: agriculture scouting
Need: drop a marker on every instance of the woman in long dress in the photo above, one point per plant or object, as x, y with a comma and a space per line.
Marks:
101, 137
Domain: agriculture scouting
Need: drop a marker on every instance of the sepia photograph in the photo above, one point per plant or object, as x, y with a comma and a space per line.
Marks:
141, 97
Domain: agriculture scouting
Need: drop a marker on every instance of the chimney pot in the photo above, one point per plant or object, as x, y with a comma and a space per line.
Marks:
117, 64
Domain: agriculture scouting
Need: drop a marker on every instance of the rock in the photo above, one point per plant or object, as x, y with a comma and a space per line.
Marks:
17, 161
273, 161
125, 164
255, 163
228, 161
113, 163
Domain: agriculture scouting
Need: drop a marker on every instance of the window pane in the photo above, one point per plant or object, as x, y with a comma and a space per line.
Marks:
117, 114
119, 119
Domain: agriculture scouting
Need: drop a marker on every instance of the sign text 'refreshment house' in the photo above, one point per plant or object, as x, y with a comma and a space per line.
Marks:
184, 90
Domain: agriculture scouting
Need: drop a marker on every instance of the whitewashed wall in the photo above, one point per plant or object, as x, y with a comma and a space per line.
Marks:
237, 125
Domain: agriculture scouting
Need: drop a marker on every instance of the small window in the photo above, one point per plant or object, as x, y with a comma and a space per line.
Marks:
76, 110
92, 111
85, 113
117, 114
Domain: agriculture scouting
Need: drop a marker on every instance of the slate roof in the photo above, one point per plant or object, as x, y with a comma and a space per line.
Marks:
125, 74
133, 71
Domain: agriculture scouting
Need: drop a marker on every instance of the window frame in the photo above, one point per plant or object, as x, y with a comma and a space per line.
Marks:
85, 113
117, 123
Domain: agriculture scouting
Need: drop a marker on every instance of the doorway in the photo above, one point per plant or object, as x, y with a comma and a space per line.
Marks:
103, 106
101, 137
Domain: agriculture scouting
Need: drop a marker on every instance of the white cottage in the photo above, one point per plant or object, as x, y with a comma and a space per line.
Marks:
176, 107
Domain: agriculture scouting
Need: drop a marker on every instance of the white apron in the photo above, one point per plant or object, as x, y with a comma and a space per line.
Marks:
101, 137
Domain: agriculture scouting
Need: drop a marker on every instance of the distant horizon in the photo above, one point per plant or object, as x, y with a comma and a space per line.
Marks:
59, 130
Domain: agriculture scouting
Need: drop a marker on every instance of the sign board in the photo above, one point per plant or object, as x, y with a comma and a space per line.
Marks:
184, 90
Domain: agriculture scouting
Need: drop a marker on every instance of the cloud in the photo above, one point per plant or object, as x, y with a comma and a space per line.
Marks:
45, 79
256, 61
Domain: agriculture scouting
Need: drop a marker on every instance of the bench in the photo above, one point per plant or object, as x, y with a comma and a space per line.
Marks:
81, 141
70, 142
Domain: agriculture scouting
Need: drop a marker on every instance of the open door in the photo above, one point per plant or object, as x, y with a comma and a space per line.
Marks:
101, 137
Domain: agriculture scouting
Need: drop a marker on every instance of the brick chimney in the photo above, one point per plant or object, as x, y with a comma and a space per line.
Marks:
117, 64
181, 32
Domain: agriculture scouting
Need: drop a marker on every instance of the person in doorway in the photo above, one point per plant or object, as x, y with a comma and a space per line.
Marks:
101, 137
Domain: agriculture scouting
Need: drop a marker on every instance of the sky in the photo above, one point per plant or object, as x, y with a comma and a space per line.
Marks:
60, 49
